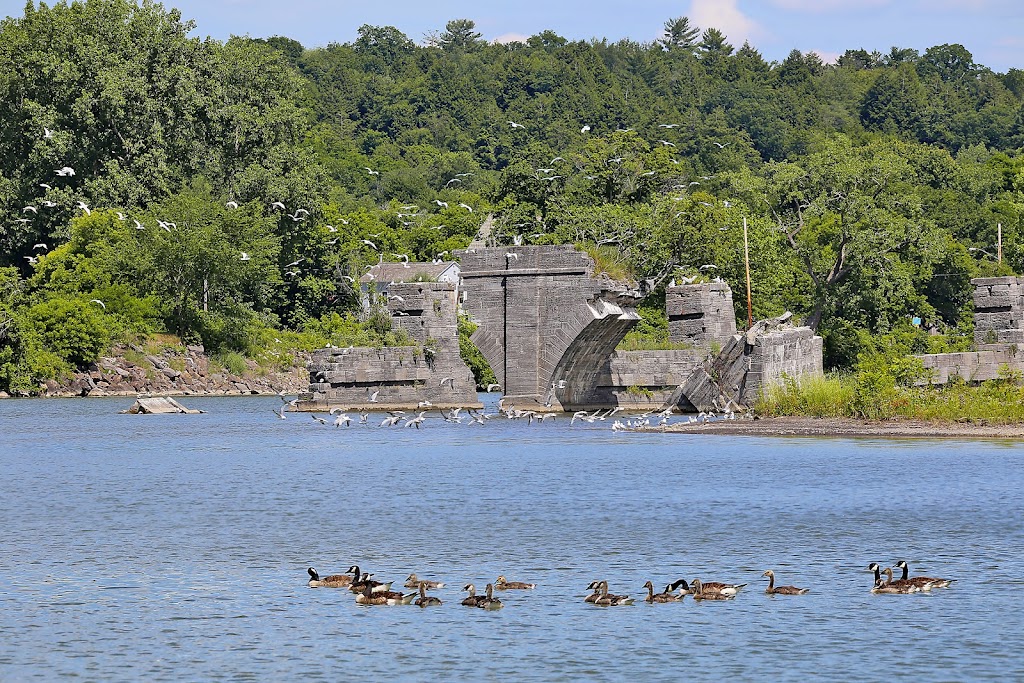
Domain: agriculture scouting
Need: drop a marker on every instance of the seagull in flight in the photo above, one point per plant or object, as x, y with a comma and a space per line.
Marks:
668, 125
440, 203
97, 301
84, 207
121, 216
244, 256
371, 171
30, 208
585, 128
45, 186
708, 266
138, 225
720, 145
466, 206
47, 134
277, 205
369, 244
515, 125
65, 171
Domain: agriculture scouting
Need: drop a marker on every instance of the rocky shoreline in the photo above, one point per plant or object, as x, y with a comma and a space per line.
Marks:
846, 427
172, 371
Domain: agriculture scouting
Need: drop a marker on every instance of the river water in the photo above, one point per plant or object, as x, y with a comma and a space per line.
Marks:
168, 548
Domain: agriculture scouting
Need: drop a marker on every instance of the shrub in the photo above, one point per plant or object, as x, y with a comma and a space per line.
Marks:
72, 329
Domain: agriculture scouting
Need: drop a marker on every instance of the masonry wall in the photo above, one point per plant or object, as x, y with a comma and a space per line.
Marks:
752, 361
401, 376
700, 314
544, 319
998, 310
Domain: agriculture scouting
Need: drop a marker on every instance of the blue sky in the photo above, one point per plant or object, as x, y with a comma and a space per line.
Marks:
992, 30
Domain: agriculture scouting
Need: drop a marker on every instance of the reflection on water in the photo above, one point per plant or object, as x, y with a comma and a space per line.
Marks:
176, 547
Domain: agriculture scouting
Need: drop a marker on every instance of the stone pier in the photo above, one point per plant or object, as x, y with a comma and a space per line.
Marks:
545, 321
403, 376
998, 336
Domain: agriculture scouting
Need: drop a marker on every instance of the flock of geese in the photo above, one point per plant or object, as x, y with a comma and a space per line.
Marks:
369, 591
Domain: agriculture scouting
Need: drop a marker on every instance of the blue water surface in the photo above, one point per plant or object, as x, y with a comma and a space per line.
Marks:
175, 547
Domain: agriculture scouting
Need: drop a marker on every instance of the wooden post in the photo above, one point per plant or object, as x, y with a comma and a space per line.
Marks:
746, 259
999, 243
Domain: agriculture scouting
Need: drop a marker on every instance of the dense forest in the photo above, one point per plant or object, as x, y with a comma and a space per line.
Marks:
230, 192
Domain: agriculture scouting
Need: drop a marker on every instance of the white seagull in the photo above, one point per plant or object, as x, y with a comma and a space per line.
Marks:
97, 301
231, 205
84, 207
244, 257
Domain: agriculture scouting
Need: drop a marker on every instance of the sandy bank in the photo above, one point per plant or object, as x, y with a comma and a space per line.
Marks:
811, 426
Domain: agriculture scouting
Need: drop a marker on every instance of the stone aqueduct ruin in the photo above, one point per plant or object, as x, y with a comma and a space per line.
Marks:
549, 327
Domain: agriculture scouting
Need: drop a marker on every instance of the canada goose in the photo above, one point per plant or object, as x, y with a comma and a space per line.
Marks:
873, 567
684, 588
697, 588
426, 600
383, 597
889, 586
666, 596
473, 598
332, 581
489, 602
772, 589
596, 587
606, 599
501, 584
414, 582
730, 589
925, 583
360, 581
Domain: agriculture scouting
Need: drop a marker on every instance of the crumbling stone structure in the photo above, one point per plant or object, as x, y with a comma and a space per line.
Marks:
701, 314
401, 377
545, 321
549, 326
998, 335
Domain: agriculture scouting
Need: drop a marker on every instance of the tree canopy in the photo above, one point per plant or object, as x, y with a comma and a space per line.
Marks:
147, 169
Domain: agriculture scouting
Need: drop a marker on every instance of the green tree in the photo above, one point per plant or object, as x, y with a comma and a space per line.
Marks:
460, 34
679, 35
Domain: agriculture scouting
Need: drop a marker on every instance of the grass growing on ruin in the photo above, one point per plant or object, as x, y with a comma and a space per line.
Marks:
873, 395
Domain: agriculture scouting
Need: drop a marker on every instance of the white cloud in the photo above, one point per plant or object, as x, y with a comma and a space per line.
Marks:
829, 5
726, 17
510, 38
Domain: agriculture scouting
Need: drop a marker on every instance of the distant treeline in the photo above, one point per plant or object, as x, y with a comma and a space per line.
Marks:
143, 174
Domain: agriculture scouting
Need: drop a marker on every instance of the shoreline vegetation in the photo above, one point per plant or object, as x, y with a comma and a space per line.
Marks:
879, 397
244, 217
